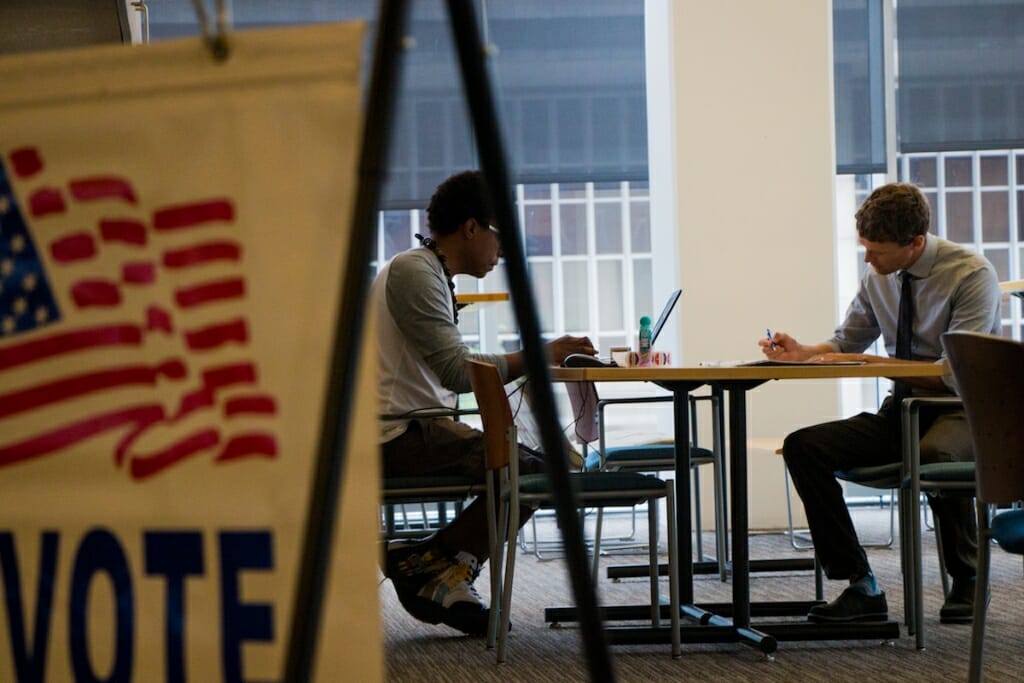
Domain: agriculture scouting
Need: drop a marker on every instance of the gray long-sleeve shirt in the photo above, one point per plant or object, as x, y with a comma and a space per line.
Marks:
954, 289
422, 359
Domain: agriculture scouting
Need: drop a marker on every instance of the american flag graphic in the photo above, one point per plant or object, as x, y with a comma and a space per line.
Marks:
123, 328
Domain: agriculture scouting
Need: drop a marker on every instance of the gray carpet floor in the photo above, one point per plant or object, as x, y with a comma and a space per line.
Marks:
419, 652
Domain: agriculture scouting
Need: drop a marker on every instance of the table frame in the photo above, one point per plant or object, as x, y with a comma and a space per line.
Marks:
731, 622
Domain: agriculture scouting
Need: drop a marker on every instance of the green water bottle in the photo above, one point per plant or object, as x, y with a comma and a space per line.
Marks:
643, 346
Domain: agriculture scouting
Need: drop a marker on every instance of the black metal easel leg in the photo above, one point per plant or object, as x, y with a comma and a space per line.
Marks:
325, 492
494, 167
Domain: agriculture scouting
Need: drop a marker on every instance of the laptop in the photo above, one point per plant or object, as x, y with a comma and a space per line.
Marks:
582, 360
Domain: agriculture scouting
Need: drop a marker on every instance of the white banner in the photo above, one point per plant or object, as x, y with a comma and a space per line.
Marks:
172, 234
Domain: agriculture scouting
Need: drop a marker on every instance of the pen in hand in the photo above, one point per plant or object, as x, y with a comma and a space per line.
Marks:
771, 344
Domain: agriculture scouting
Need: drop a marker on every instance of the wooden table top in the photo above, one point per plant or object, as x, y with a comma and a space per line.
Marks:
481, 297
709, 373
1013, 287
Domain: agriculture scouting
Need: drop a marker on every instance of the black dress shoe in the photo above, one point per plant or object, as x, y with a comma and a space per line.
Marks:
852, 605
959, 605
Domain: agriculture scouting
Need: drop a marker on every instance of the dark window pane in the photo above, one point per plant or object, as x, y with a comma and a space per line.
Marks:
608, 228
995, 217
538, 230
922, 172
640, 226
959, 217
933, 204
541, 191
573, 228
1020, 217
1000, 258
993, 170
572, 190
607, 190
958, 172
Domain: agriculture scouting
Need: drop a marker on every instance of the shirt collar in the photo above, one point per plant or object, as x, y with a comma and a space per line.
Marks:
923, 265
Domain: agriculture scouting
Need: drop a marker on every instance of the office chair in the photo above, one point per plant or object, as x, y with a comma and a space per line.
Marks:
989, 372
425, 490
593, 489
660, 457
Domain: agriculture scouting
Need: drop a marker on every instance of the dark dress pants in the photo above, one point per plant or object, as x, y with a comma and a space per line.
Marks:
814, 454
440, 447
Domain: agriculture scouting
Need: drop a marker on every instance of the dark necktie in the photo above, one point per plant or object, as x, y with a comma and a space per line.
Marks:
904, 332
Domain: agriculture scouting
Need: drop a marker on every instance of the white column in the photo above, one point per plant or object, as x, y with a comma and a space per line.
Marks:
742, 166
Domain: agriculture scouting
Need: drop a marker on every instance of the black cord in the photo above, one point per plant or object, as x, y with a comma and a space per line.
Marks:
578, 386
430, 244
518, 389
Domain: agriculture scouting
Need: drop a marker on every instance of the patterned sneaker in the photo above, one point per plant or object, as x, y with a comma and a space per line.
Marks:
415, 561
448, 597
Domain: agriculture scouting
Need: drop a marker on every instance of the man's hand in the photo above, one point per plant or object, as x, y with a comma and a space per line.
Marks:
783, 347
563, 346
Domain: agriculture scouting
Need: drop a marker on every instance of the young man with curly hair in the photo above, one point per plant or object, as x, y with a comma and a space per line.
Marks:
422, 361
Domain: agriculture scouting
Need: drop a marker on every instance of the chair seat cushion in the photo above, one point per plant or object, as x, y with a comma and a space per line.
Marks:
1008, 530
648, 457
877, 476
949, 473
597, 484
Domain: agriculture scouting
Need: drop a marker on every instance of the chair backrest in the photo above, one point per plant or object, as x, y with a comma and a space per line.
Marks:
495, 413
989, 372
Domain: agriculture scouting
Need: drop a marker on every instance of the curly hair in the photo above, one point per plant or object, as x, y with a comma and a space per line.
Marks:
456, 200
896, 212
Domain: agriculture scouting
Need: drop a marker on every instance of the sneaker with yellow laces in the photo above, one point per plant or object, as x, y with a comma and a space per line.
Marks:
437, 589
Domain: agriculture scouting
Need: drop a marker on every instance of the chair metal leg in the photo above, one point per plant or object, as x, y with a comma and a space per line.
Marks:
673, 567
496, 533
975, 668
506, 588
942, 557
917, 577
598, 524
652, 556
905, 562
721, 487
698, 523
789, 514
721, 525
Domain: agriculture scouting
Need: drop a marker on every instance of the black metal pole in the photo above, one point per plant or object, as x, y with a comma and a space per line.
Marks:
325, 495
493, 165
